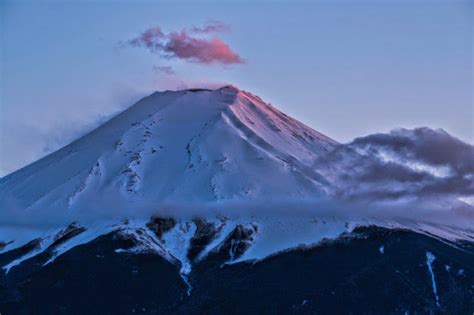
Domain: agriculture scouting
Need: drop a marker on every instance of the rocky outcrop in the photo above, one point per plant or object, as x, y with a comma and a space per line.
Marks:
238, 241
69, 232
159, 225
347, 275
205, 233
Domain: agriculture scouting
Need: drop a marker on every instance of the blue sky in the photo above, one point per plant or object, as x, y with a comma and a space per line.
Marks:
343, 68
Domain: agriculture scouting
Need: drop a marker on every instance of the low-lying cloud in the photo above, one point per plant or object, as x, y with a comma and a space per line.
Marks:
192, 45
403, 164
436, 148
381, 176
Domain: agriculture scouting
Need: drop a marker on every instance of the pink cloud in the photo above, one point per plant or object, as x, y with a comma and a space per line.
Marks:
201, 50
182, 45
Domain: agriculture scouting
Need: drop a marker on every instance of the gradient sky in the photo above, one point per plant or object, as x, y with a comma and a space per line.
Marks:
345, 69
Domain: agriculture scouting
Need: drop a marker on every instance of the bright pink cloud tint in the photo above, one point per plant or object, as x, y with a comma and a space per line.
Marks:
183, 45
200, 50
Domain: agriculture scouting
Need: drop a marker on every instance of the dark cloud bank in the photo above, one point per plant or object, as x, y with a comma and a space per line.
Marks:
403, 164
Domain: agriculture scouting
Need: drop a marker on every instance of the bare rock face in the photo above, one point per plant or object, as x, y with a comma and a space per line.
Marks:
239, 240
29, 246
69, 232
20, 251
205, 233
4, 244
160, 226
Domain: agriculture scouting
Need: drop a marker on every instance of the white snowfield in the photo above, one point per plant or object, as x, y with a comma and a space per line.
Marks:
188, 151
183, 146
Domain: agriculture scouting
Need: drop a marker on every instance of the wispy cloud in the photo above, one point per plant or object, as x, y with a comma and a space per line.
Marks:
148, 38
211, 26
192, 45
163, 70
53, 125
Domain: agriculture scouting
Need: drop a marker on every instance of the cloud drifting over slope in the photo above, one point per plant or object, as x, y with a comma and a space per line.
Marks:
403, 164
192, 45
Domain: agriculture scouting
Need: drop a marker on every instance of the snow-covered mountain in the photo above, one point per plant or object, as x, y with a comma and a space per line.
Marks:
192, 145
193, 148
195, 173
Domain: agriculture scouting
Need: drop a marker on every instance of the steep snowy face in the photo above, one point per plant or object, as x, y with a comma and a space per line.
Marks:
192, 145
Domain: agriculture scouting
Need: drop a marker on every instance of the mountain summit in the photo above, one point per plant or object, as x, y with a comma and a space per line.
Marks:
190, 145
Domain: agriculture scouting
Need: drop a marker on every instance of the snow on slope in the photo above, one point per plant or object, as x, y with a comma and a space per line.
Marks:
268, 235
187, 146
224, 148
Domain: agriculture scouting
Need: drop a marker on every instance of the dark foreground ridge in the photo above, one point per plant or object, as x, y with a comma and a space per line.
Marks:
370, 271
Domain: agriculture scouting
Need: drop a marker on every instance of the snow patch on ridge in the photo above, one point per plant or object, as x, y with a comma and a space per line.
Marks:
382, 249
279, 234
261, 237
430, 258
226, 229
88, 235
44, 243
94, 172
177, 243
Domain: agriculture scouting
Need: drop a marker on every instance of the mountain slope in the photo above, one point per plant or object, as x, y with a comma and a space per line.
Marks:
200, 183
371, 270
188, 145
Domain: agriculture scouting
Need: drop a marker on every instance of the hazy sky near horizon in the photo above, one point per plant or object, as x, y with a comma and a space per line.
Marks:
345, 69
